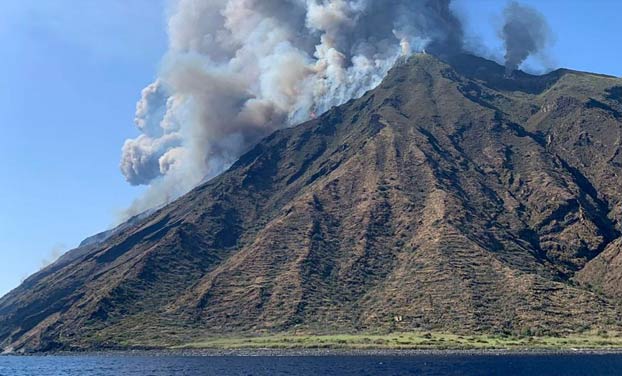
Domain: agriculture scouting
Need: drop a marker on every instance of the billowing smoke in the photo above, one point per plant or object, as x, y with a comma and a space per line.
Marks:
237, 70
525, 32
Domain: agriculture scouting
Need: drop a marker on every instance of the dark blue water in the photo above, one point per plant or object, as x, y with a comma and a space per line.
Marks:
318, 365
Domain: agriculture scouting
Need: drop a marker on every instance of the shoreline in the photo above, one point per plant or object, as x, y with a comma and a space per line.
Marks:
360, 344
267, 352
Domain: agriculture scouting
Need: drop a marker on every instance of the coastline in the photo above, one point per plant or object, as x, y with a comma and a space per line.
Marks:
360, 344
267, 352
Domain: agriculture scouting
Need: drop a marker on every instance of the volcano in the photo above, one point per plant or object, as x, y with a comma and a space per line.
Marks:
451, 196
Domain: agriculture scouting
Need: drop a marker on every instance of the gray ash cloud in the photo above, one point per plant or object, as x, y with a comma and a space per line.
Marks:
237, 70
525, 32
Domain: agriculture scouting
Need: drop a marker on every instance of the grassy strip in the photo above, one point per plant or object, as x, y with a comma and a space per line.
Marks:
410, 340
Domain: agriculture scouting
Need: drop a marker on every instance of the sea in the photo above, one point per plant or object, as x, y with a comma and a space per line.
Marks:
425, 364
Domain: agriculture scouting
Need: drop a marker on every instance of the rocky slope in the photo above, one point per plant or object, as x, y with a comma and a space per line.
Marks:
450, 197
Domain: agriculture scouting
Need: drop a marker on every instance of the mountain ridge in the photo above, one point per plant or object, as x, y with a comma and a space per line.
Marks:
451, 196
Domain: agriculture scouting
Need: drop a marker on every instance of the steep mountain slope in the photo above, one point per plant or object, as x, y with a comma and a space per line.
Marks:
451, 196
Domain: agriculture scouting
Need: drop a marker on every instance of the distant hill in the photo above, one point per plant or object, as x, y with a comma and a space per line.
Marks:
451, 197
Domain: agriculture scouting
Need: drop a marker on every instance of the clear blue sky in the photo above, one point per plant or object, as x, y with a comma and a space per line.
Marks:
72, 70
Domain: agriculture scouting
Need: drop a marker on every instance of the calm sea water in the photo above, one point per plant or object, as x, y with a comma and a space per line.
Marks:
119, 365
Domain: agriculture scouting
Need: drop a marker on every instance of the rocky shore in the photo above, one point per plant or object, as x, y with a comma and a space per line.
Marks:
322, 352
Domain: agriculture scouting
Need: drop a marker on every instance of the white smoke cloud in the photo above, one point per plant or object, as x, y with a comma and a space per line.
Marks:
150, 109
55, 253
237, 70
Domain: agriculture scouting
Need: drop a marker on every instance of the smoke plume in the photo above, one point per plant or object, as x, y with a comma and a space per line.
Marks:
237, 70
525, 32
55, 253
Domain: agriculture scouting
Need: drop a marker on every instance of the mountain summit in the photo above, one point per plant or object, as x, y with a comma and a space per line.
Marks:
451, 197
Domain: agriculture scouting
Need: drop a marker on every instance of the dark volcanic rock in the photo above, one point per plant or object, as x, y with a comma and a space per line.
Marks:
450, 196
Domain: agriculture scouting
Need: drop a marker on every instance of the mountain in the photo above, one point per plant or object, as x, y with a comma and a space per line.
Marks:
451, 197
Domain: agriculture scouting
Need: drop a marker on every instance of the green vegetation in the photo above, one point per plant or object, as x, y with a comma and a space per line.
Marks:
412, 340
